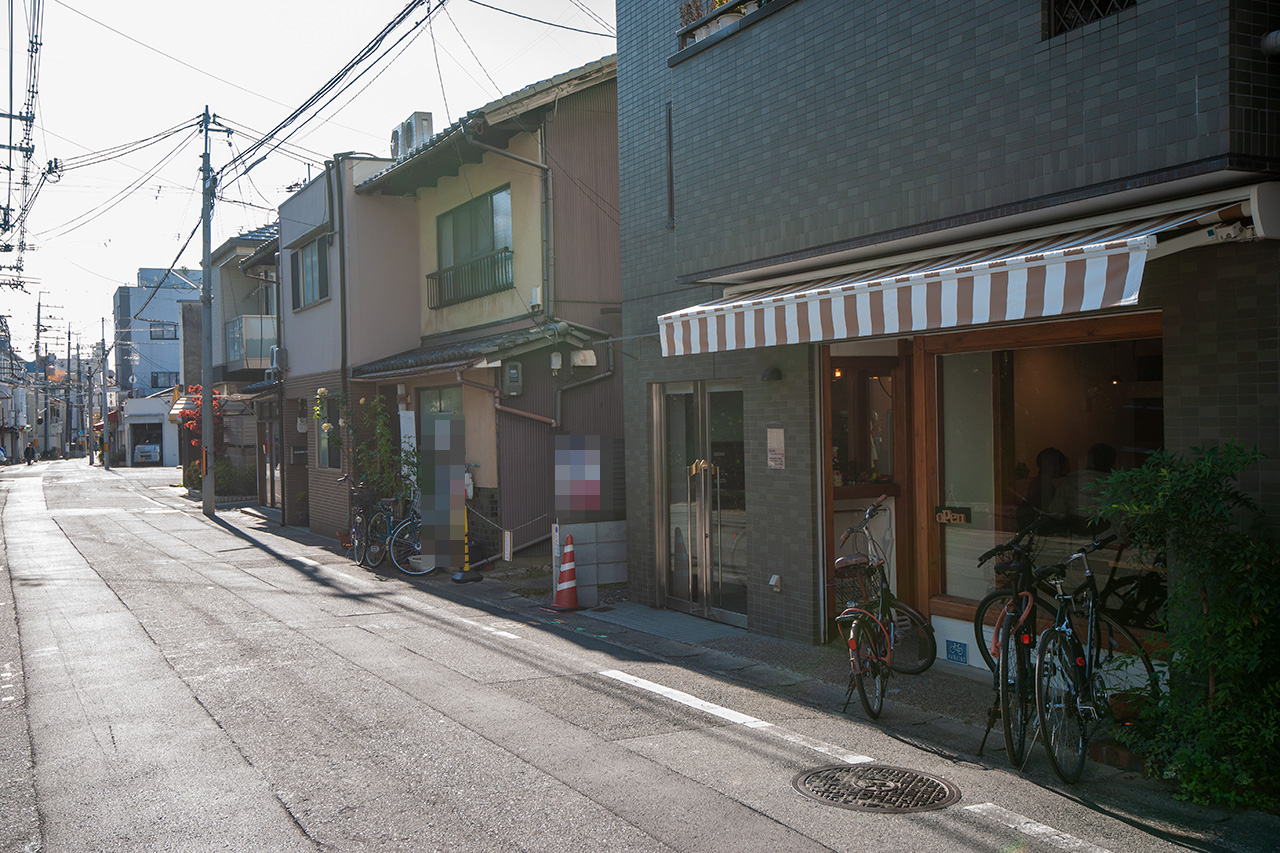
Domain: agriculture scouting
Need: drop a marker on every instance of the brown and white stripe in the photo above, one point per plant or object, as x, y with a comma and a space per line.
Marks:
1067, 274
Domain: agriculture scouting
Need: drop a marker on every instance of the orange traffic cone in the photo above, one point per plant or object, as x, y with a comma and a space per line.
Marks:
567, 583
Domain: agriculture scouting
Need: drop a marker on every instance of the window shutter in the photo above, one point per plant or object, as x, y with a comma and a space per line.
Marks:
295, 277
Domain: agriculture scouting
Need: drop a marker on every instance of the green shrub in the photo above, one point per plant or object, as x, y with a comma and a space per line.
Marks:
228, 479
1216, 728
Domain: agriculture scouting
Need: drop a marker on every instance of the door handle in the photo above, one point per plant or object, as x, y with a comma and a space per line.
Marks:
701, 466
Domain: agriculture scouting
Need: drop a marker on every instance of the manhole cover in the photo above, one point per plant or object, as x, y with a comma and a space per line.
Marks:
876, 788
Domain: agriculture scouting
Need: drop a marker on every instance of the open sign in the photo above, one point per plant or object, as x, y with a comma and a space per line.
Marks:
953, 514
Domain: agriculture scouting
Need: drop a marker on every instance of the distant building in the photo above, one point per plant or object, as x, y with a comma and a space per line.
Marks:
147, 319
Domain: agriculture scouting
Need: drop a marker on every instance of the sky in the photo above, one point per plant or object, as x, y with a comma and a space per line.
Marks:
121, 72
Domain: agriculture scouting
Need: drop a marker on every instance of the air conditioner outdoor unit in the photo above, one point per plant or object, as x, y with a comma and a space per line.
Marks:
279, 359
410, 134
414, 131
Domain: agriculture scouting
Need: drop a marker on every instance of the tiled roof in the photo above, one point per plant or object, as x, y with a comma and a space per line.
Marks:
503, 109
258, 235
462, 354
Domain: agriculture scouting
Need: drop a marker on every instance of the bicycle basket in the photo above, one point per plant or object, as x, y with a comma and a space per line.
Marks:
857, 580
363, 496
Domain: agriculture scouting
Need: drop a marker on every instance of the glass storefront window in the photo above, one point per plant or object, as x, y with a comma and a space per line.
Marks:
1030, 430
861, 423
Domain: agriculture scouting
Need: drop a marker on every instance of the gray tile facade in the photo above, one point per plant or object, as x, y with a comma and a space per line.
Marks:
826, 125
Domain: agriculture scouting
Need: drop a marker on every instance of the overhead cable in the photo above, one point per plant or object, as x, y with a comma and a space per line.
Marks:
540, 21
237, 167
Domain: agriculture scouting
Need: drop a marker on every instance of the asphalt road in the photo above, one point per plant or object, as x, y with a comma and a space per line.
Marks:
172, 683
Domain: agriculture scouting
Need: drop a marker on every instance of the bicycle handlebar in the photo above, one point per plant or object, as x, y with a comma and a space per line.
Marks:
871, 513
1013, 544
1060, 569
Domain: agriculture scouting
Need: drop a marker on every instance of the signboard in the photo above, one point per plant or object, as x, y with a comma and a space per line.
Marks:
777, 451
953, 514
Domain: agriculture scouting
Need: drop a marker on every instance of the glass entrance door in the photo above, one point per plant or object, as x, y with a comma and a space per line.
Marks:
704, 499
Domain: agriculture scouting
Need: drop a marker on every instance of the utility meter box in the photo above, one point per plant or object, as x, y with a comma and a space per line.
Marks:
512, 378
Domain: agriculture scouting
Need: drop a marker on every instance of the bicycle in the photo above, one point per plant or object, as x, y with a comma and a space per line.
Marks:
381, 529
1077, 688
363, 499
1013, 640
406, 544
884, 634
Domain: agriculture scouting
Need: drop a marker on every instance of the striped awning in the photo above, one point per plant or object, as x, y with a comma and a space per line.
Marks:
1065, 274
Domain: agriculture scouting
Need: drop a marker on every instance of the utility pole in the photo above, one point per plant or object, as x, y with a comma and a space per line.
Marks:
90, 439
106, 422
66, 415
42, 382
206, 328
83, 422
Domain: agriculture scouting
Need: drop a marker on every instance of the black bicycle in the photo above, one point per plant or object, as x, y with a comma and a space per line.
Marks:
364, 500
1009, 652
1083, 676
883, 633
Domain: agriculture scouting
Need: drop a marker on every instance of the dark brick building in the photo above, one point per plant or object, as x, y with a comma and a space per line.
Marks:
909, 249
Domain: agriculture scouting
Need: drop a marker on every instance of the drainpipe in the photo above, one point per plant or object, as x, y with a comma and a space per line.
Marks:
336, 224
284, 500
497, 400
590, 379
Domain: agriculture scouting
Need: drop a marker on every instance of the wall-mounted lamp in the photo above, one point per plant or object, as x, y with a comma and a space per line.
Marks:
837, 373
771, 374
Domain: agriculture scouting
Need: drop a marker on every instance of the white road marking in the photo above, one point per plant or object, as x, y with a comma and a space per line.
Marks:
307, 562
737, 717
496, 631
1027, 826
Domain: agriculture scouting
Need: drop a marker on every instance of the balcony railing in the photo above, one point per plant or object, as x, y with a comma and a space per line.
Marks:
250, 338
702, 19
472, 280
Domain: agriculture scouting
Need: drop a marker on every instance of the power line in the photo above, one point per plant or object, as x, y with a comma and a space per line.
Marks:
226, 173
540, 21
585, 9
415, 32
110, 203
201, 71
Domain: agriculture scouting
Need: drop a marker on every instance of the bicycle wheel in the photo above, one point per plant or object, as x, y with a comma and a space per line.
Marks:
1066, 737
1124, 677
1017, 692
379, 533
914, 646
405, 544
359, 539
870, 672
986, 622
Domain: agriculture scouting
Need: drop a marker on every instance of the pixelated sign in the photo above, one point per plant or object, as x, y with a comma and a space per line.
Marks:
586, 482
444, 492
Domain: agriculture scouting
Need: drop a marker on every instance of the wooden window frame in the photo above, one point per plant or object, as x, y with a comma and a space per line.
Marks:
926, 400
